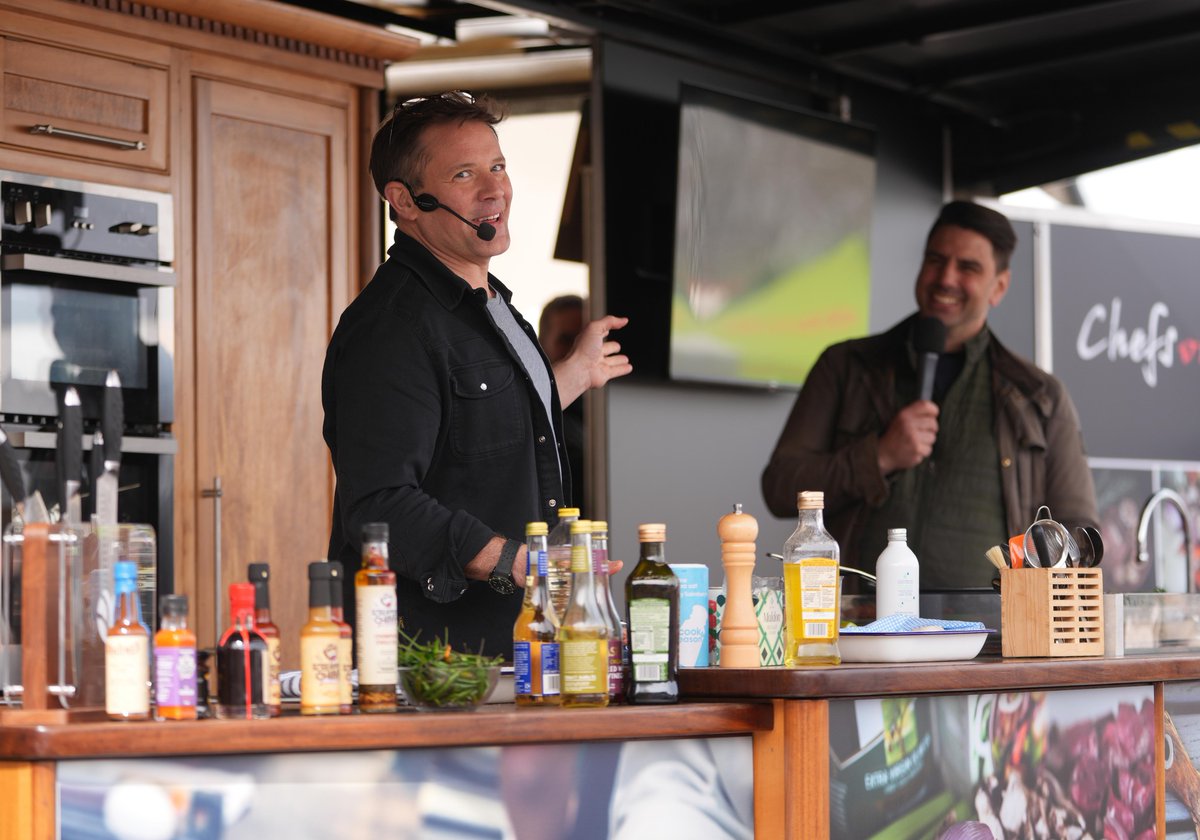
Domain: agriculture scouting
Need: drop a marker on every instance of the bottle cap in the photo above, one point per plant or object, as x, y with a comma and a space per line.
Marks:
652, 532
536, 529
599, 525
375, 532
810, 500
125, 577
900, 534
581, 526
564, 513
335, 588
174, 606
241, 597
319, 570
258, 572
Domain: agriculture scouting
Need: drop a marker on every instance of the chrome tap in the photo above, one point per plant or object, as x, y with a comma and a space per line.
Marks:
1143, 552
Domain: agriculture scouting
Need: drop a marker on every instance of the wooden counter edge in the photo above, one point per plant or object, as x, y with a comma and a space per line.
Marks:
492, 725
910, 678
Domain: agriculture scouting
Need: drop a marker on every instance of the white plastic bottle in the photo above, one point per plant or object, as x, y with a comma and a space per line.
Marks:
898, 584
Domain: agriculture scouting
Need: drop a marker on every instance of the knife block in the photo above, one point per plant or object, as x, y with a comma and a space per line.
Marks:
1052, 612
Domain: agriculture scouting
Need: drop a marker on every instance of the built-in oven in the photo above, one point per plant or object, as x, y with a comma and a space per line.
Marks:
86, 287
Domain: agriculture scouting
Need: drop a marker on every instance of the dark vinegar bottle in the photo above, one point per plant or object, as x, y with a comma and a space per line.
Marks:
652, 613
242, 660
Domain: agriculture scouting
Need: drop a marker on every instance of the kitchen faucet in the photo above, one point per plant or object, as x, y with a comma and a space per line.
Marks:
1143, 552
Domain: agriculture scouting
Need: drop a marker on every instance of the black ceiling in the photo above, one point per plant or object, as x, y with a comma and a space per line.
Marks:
1033, 90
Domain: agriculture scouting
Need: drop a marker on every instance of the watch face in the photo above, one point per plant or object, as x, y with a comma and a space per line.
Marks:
503, 584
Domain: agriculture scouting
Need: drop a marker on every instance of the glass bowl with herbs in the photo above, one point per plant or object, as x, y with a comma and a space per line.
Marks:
435, 678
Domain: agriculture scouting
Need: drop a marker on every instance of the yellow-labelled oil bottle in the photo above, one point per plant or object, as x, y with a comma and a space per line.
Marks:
652, 613
535, 634
377, 623
320, 643
810, 587
583, 637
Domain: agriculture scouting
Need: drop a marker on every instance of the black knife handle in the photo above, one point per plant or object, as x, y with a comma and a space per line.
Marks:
70, 442
10, 470
112, 417
95, 470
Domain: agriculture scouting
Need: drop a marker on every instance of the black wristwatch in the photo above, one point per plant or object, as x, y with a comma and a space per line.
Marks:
501, 578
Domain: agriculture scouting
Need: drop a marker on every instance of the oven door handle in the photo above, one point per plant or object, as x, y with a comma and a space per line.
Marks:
90, 269
129, 444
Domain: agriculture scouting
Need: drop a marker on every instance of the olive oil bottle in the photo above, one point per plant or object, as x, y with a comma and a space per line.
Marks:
583, 637
535, 634
812, 608
652, 613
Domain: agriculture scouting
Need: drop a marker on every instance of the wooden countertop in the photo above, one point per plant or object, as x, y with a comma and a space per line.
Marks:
981, 674
490, 725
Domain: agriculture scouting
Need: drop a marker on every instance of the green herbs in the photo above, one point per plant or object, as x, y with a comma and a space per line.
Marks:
434, 675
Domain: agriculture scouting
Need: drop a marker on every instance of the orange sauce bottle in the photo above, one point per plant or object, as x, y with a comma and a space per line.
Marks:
174, 663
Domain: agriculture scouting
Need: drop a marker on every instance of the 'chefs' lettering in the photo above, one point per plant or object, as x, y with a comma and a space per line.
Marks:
1146, 347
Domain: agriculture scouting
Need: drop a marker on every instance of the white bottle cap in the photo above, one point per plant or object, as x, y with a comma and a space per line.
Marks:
900, 534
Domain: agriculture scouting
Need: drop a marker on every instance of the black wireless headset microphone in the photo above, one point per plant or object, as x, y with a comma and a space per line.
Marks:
427, 203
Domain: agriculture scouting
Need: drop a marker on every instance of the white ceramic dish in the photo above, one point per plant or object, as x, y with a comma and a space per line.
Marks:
917, 646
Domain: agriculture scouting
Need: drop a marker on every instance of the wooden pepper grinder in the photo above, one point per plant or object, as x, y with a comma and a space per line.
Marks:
739, 627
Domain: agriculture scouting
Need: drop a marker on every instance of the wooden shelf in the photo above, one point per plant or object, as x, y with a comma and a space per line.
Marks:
976, 675
491, 725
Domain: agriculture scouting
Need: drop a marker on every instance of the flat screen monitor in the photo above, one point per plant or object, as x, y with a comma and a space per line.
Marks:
772, 249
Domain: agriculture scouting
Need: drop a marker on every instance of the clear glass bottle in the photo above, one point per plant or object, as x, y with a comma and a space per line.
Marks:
535, 634
811, 587
260, 577
127, 651
337, 610
320, 645
174, 663
559, 545
652, 614
377, 628
242, 660
616, 640
583, 637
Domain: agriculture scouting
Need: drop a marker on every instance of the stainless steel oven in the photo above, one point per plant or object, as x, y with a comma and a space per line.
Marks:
87, 286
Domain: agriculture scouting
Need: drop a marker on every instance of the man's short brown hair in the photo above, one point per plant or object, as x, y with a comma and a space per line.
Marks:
396, 151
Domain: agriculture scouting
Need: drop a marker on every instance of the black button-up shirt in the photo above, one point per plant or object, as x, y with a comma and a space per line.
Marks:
435, 428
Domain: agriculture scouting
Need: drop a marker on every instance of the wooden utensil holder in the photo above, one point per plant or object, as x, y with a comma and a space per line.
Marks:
1052, 612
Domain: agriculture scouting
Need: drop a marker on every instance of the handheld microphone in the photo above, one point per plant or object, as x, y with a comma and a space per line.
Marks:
929, 340
427, 203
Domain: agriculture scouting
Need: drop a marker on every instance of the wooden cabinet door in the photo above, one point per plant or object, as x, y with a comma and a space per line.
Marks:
272, 207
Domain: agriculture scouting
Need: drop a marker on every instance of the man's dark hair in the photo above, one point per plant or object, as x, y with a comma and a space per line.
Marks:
559, 304
396, 151
989, 224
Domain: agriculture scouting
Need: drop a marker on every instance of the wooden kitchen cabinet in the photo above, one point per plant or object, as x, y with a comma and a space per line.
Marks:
255, 116
111, 101
272, 274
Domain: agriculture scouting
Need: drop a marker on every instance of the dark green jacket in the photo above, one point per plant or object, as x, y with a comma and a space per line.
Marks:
831, 438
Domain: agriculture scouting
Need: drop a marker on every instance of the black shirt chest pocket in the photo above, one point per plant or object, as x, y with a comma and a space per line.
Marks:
487, 413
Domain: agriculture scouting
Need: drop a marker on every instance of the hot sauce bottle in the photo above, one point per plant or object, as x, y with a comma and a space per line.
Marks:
127, 652
345, 636
377, 627
241, 660
320, 640
174, 663
260, 577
